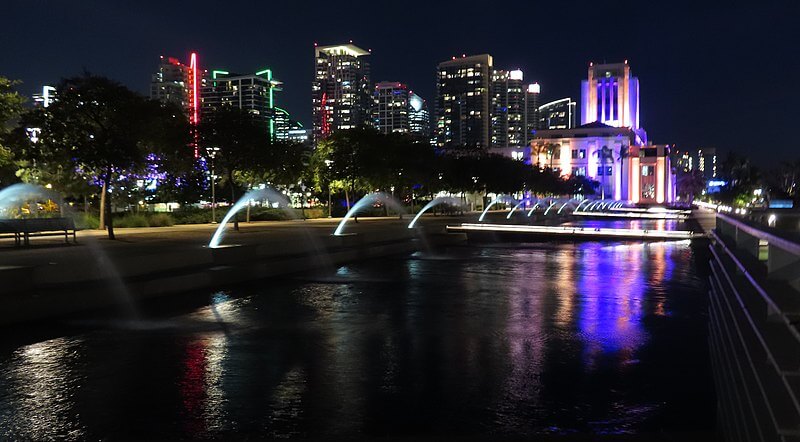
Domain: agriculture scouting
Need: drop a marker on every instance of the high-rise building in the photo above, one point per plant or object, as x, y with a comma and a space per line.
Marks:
419, 119
252, 92
463, 102
508, 108
558, 114
179, 83
287, 129
531, 111
341, 94
390, 107
299, 135
707, 162
610, 95
682, 160
47, 96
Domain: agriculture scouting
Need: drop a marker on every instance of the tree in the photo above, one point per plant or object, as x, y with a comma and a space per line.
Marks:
690, 183
577, 184
10, 109
547, 149
243, 145
788, 175
347, 157
287, 163
99, 128
605, 155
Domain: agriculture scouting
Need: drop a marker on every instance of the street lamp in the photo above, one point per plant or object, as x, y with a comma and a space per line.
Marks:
212, 153
330, 208
303, 199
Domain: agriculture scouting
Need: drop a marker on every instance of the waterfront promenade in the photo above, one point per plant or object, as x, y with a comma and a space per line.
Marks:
51, 277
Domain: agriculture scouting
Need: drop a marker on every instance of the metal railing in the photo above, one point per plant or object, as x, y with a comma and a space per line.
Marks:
754, 339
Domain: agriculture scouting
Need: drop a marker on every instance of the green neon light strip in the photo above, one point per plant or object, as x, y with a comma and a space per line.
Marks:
215, 73
271, 101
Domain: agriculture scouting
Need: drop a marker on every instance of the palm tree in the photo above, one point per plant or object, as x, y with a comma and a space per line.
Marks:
605, 155
545, 148
690, 183
624, 153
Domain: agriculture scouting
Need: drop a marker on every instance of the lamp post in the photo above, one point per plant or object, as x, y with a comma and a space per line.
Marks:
212, 153
330, 208
303, 200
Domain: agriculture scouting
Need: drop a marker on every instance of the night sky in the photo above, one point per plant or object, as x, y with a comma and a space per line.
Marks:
709, 75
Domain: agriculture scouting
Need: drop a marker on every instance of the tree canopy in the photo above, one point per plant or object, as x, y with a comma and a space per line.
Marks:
101, 131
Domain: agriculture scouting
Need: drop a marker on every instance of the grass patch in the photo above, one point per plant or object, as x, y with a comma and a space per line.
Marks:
131, 220
161, 220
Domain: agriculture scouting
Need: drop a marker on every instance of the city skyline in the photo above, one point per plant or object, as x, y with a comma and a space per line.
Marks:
686, 69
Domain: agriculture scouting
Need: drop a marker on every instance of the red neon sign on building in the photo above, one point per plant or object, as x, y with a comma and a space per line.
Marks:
193, 100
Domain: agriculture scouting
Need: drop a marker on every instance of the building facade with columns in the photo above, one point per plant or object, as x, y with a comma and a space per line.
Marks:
624, 168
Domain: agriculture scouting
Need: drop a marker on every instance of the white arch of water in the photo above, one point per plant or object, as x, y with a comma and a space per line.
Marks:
593, 206
436, 201
552, 203
368, 199
500, 198
261, 194
16, 194
535, 206
578, 207
565, 205
523, 201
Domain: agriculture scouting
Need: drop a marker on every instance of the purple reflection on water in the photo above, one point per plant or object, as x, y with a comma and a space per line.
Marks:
611, 290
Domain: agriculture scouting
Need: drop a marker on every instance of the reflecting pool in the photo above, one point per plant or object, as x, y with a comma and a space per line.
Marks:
501, 340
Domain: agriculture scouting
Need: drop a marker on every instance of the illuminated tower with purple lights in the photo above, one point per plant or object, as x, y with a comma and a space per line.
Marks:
610, 95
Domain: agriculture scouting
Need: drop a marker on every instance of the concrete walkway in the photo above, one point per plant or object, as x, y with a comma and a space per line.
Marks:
154, 240
707, 219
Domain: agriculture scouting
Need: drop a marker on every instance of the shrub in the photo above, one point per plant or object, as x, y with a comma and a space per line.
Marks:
131, 220
194, 215
267, 214
161, 220
86, 221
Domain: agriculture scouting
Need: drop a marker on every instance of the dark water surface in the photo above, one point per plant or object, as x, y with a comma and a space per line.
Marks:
509, 339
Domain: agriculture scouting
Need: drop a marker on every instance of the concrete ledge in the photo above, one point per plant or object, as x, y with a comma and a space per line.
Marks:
55, 290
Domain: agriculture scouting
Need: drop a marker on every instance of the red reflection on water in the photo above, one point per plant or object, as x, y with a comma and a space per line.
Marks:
193, 388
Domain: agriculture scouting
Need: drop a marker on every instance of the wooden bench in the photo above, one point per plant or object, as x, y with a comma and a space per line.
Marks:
9, 229
24, 229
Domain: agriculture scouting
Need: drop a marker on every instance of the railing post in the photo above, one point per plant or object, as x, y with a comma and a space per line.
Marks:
724, 229
746, 242
783, 266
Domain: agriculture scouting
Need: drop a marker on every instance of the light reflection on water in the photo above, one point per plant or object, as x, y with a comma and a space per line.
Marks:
508, 339
41, 383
